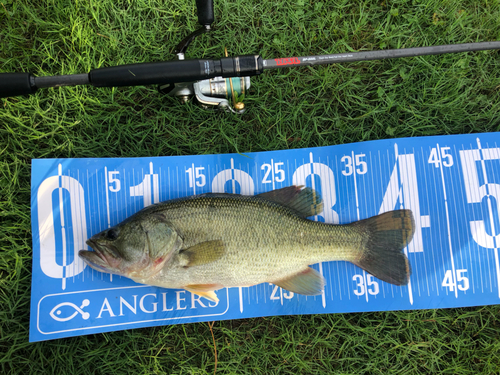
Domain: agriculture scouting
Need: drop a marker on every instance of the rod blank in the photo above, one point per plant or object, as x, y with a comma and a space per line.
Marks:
377, 55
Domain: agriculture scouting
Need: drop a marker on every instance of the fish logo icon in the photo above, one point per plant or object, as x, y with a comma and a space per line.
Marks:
56, 311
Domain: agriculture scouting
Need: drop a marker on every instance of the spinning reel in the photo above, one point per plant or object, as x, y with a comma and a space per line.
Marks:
208, 92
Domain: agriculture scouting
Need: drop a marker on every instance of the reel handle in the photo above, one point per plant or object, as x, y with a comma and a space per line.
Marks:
14, 84
205, 10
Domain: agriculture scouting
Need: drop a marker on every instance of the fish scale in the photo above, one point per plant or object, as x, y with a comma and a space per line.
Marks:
257, 235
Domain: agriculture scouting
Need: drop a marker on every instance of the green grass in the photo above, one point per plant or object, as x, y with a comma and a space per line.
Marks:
448, 94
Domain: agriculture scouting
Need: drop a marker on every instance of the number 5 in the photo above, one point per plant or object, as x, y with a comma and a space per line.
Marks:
113, 180
462, 278
199, 175
279, 172
361, 163
449, 159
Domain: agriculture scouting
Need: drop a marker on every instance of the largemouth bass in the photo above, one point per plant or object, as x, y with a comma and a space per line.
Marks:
207, 242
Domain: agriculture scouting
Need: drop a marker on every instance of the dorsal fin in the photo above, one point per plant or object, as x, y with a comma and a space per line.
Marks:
307, 202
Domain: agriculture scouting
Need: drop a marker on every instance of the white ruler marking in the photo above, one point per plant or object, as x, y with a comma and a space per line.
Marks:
313, 182
447, 220
98, 207
91, 220
439, 220
63, 229
106, 187
430, 237
391, 193
402, 205
374, 200
409, 168
192, 179
473, 209
272, 173
340, 221
353, 164
454, 202
330, 183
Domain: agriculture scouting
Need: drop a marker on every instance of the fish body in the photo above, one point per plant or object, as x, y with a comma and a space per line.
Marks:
211, 241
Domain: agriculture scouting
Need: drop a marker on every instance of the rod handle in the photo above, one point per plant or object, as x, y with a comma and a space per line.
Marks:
153, 73
15, 84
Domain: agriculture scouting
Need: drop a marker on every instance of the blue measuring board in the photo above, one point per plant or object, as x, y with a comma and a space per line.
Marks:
451, 183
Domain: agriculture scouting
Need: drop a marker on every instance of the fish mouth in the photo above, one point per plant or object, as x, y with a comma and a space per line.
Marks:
101, 259
94, 260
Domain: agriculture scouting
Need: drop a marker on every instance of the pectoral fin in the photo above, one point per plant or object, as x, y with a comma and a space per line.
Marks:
202, 253
308, 282
204, 290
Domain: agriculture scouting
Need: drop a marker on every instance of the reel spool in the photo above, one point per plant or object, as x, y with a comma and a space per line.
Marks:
213, 92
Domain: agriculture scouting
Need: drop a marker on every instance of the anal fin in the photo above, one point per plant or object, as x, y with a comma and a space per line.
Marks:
204, 290
308, 282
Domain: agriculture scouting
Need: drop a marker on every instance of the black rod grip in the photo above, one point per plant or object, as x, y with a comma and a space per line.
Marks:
205, 9
14, 84
154, 73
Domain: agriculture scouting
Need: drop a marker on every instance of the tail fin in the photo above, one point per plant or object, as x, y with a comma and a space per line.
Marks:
382, 256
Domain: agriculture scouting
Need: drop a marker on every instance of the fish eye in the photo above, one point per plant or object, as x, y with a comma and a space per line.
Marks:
112, 234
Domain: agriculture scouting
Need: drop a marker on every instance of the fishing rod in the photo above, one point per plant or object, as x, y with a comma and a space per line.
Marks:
211, 81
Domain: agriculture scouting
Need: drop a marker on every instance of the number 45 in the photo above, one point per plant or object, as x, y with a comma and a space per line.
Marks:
448, 281
445, 157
